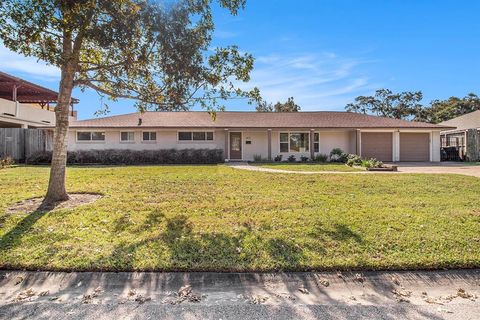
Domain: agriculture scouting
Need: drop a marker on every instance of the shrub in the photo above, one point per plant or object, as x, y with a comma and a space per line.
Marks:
257, 158
278, 158
6, 162
354, 160
320, 158
304, 158
372, 163
291, 158
126, 157
337, 155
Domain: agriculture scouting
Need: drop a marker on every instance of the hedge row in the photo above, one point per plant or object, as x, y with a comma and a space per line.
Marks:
118, 156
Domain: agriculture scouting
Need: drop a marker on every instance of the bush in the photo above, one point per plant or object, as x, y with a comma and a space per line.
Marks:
337, 155
6, 162
304, 158
372, 163
258, 158
354, 160
278, 158
291, 158
320, 158
119, 156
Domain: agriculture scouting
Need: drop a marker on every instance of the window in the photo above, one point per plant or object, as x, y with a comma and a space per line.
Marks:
316, 142
294, 142
283, 142
90, 136
127, 136
195, 136
149, 136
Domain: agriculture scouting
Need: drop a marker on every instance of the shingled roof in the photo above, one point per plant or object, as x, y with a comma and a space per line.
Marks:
467, 121
227, 119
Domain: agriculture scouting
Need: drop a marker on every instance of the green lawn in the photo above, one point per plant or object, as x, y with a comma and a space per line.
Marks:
307, 166
220, 218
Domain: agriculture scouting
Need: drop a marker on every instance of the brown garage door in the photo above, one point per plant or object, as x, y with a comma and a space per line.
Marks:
377, 145
414, 146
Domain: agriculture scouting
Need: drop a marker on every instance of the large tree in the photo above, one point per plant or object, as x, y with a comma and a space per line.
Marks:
157, 53
288, 106
442, 110
385, 103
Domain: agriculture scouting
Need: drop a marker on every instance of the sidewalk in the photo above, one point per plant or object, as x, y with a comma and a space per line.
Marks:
372, 295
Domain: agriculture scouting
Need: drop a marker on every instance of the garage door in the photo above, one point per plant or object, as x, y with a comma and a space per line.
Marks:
377, 145
414, 146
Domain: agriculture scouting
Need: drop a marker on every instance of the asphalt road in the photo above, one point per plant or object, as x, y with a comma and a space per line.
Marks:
371, 295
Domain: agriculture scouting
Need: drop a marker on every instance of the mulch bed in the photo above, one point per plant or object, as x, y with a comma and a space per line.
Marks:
36, 204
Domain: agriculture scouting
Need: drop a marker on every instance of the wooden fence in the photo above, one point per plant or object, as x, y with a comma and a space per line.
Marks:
21, 143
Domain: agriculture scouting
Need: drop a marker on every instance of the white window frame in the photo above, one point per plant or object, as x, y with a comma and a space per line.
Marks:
313, 143
295, 132
90, 141
149, 135
127, 141
196, 141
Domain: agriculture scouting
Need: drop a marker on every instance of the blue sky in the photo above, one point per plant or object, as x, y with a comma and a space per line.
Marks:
324, 53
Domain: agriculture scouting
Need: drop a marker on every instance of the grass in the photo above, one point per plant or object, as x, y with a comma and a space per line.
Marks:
217, 218
340, 167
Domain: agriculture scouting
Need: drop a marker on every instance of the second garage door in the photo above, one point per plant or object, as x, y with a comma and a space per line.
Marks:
414, 146
377, 145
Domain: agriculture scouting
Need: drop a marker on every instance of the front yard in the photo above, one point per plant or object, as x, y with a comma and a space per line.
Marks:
223, 219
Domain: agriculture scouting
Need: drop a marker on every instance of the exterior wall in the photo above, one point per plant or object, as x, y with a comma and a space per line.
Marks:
25, 114
258, 145
435, 144
347, 140
335, 139
166, 139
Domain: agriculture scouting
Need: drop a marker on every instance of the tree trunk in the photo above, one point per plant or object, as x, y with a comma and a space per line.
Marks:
56, 185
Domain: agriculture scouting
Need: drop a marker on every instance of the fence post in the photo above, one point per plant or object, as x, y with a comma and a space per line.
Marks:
473, 145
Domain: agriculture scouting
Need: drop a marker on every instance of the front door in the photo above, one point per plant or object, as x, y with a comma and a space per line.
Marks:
235, 145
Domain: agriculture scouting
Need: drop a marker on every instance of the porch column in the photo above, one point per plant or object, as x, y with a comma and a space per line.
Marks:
312, 152
269, 144
227, 156
359, 142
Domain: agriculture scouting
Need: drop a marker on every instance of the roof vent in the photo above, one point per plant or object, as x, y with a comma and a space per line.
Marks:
139, 121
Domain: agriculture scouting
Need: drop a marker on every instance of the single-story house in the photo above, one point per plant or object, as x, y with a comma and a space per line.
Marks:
464, 137
241, 135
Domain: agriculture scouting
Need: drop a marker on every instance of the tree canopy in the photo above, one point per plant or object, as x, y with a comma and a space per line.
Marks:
151, 51
407, 105
288, 106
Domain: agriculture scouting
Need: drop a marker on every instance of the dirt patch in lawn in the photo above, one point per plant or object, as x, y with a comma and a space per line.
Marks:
37, 204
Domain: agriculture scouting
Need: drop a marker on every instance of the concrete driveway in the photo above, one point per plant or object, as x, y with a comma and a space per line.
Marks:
440, 168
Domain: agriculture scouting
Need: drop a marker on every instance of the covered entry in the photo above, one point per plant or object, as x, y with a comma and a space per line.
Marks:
414, 146
377, 145
235, 145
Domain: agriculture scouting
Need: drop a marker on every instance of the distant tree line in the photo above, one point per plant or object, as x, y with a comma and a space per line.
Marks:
407, 105
288, 106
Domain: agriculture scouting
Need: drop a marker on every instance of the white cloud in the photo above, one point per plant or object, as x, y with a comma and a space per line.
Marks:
16, 63
322, 81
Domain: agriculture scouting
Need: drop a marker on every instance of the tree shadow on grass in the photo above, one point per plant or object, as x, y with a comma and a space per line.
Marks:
177, 247
12, 238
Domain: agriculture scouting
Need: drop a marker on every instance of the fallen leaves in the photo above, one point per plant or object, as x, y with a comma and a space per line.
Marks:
303, 290
25, 295
88, 298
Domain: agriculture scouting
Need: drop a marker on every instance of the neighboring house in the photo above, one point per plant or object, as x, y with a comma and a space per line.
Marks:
465, 139
244, 134
26, 105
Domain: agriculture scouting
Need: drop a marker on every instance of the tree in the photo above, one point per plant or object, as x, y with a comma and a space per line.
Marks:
152, 52
288, 106
443, 110
385, 103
